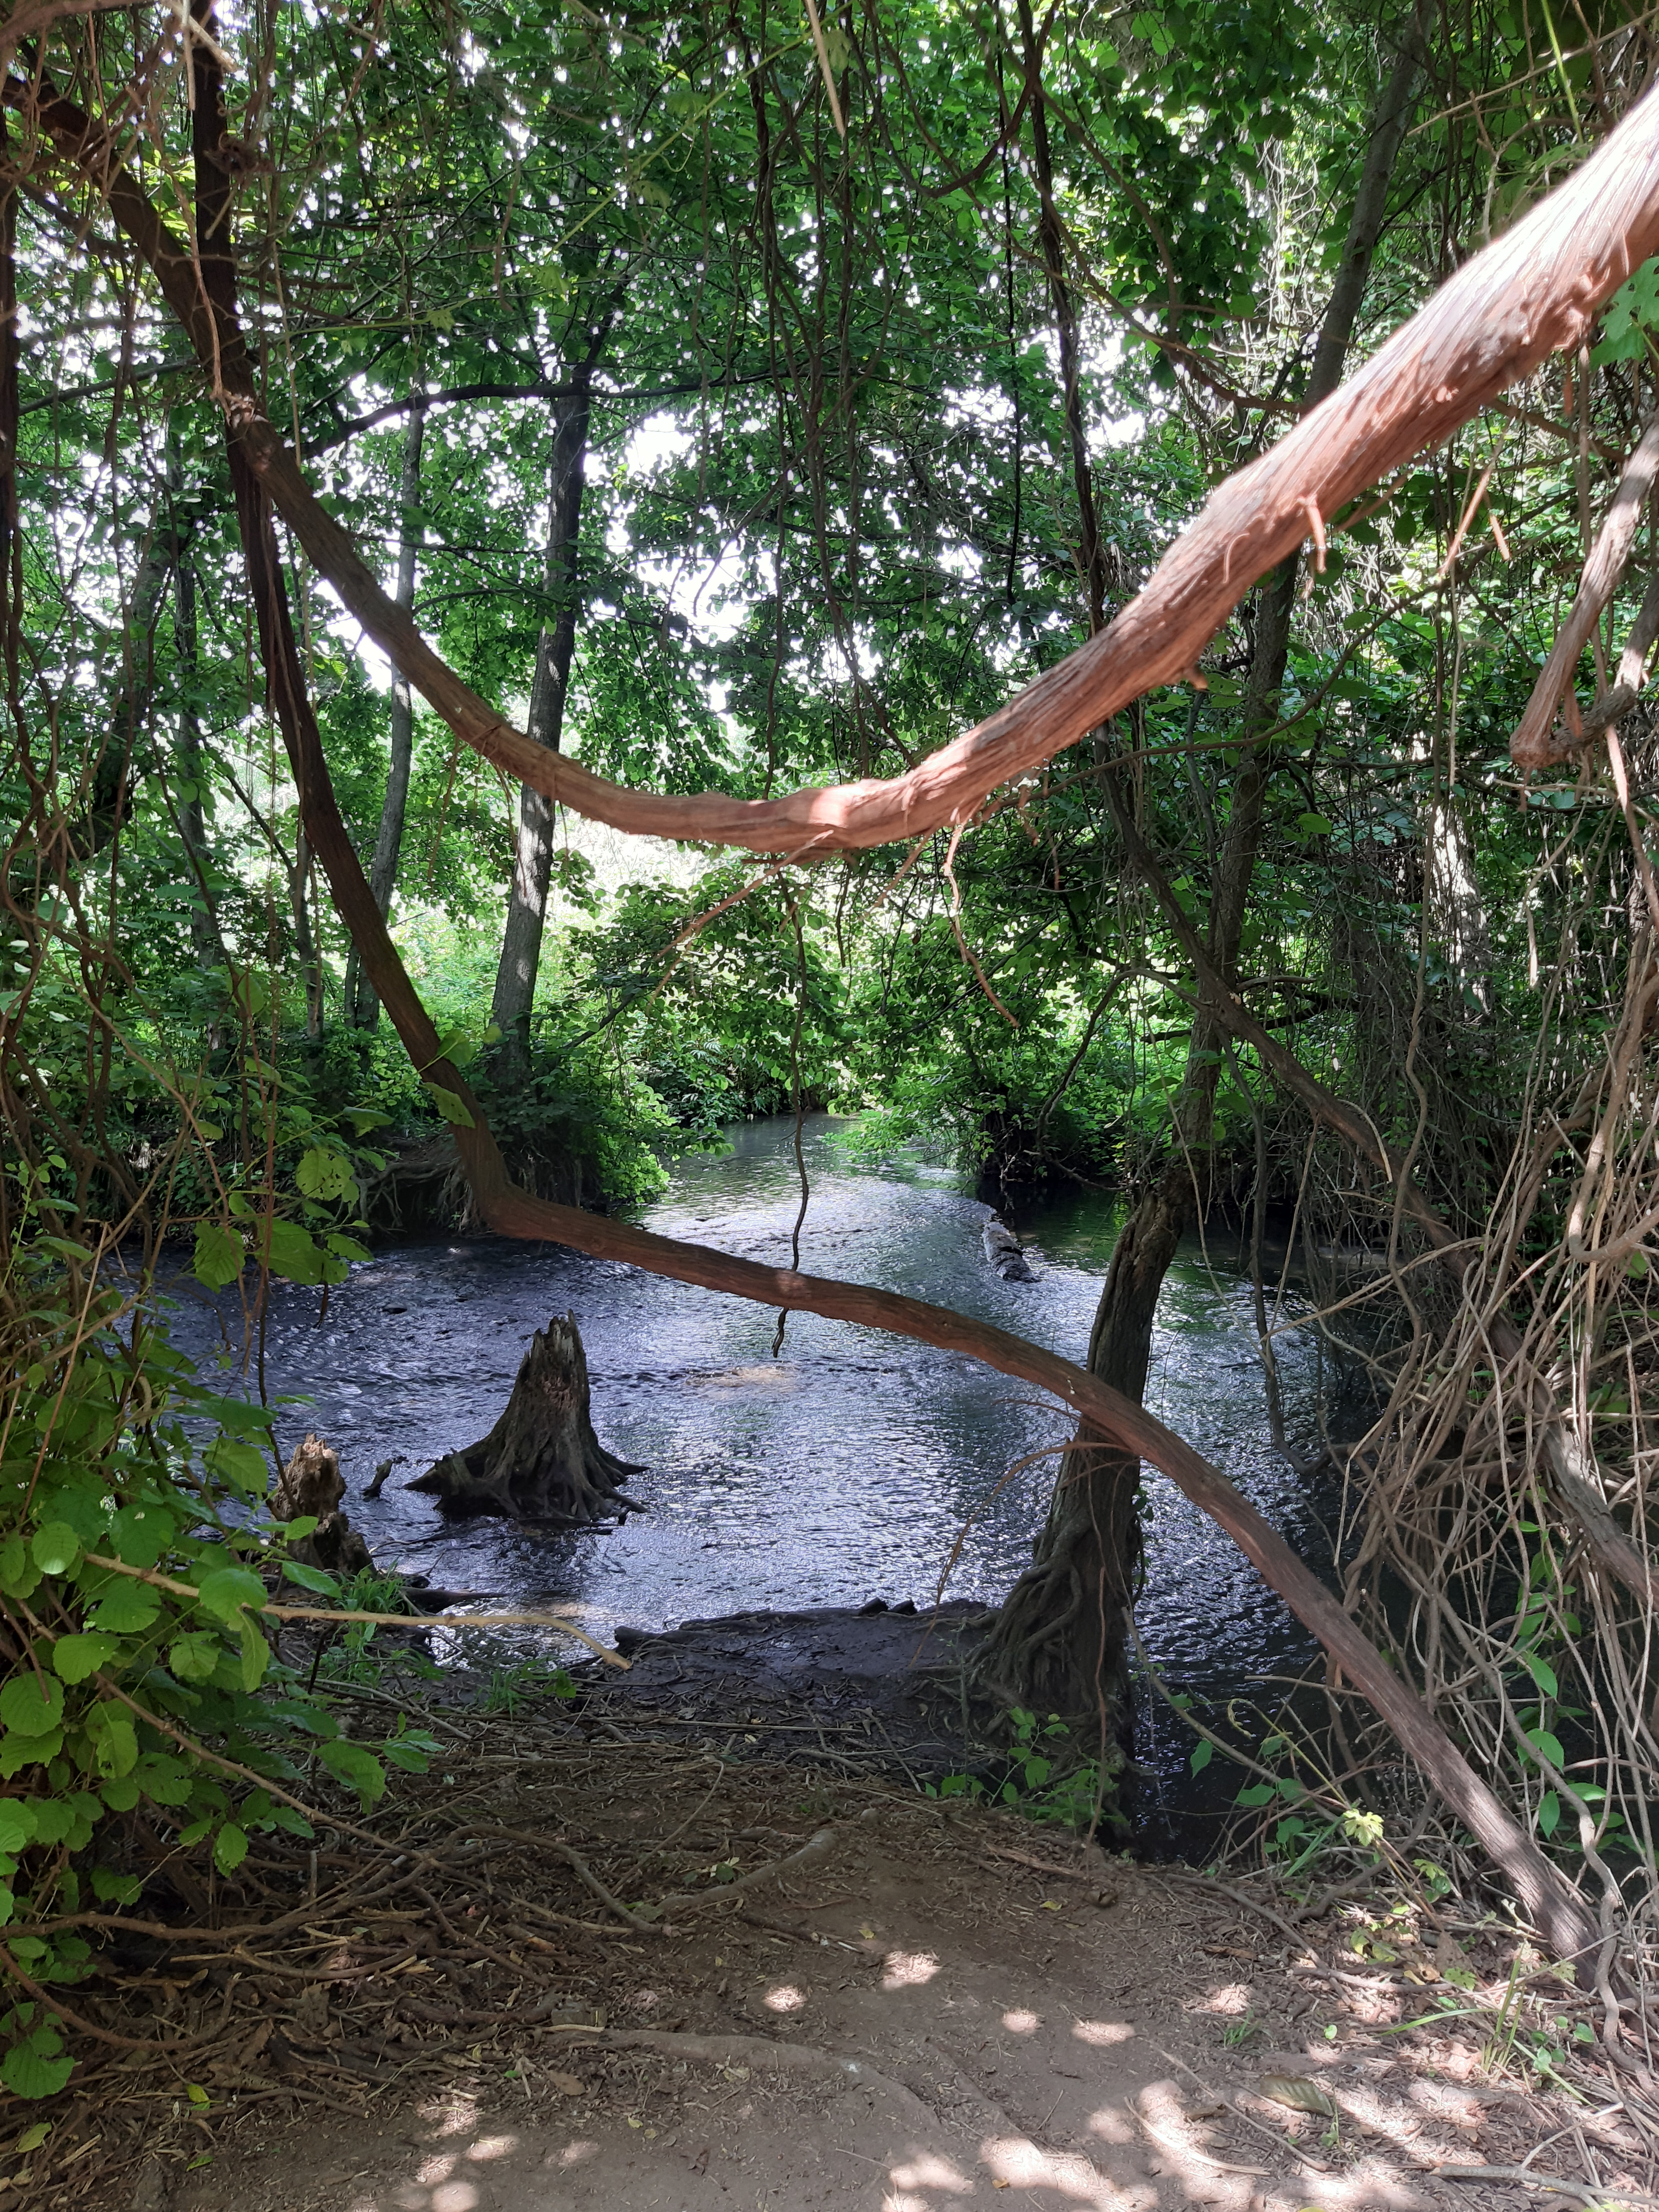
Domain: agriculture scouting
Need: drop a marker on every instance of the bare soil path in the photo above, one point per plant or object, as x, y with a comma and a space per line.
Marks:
942, 2006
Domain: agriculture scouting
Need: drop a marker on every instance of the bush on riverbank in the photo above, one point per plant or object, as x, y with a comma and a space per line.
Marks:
148, 1728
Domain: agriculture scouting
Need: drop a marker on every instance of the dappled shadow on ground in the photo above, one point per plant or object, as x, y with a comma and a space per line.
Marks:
940, 2006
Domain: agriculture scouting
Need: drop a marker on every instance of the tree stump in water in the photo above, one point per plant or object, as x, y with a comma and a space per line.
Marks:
542, 1461
311, 1484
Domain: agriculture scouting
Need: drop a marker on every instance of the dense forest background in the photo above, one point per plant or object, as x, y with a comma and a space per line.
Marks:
741, 400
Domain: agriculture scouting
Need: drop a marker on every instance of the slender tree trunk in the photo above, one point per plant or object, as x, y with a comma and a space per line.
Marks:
278, 649
1060, 1642
362, 1006
189, 773
532, 862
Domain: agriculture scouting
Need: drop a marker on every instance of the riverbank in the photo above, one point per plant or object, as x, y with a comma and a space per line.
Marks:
564, 1973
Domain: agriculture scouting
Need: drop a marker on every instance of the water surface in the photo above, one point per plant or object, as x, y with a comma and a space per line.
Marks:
855, 1465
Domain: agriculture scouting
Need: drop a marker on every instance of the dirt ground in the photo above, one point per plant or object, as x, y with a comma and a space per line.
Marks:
939, 2006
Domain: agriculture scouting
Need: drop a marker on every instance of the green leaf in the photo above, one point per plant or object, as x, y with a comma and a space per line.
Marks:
38, 2066
193, 1658
56, 1549
240, 1464
125, 1607
256, 1653
454, 1110
1543, 1674
226, 1590
76, 1658
310, 1578
1258, 1793
1202, 1756
19, 1576
293, 1254
16, 1824
229, 1847
322, 1173
17, 1751
359, 1769
139, 1535
1549, 1813
1314, 825
165, 1778
217, 1259
348, 1248
1548, 1745
31, 1705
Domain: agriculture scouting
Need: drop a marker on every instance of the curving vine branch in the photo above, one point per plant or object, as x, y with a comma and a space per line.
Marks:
1534, 291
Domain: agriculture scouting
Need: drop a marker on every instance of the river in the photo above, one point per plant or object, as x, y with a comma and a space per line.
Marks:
856, 1465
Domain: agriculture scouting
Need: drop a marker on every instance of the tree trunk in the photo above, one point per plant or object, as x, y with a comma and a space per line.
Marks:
1059, 1643
189, 765
310, 1488
533, 861
542, 1461
362, 1007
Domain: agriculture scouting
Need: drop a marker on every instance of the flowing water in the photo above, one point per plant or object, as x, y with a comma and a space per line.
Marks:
855, 1465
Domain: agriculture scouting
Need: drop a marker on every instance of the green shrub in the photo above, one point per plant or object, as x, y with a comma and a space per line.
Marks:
138, 1556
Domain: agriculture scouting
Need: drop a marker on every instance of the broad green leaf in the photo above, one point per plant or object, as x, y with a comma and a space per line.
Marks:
294, 1254
19, 1576
454, 1110
229, 1847
16, 1824
256, 1653
164, 1777
125, 1606
324, 1174
1548, 1746
56, 1549
225, 1590
1202, 1754
139, 1535
310, 1578
76, 1658
218, 1257
38, 2067
359, 1769
240, 1464
31, 1704
193, 1658
1542, 1673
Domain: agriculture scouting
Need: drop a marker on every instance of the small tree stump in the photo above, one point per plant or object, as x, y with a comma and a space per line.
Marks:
311, 1484
542, 1461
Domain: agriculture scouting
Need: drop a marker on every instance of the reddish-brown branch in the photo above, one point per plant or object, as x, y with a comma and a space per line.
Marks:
1533, 292
871, 813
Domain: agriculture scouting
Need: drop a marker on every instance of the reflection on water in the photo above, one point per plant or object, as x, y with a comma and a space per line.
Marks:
854, 1465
